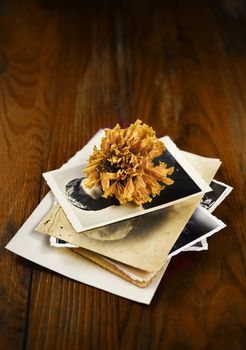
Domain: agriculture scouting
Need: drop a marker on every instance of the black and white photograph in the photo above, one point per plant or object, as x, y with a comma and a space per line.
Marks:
198, 247
212, 199
86, 209
202, 224
59, 243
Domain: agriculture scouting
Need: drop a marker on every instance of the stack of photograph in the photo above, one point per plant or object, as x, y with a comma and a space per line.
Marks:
122, 248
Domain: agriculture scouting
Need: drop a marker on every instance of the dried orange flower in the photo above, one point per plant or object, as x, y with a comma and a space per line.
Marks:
124, 167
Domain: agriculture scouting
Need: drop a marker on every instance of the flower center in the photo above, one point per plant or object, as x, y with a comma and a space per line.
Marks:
121, 161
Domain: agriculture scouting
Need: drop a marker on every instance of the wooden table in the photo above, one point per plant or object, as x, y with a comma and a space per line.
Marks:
68, 68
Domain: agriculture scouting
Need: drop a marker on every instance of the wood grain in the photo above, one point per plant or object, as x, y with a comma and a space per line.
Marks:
70, 68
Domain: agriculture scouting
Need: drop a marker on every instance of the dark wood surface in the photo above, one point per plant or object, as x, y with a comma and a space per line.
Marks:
68, 68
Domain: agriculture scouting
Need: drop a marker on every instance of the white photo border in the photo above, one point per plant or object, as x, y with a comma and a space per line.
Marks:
77, 223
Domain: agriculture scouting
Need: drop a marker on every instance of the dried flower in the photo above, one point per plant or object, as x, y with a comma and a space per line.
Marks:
124, 167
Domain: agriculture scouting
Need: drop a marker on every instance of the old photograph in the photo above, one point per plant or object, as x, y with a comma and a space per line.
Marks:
87, 209
212, 199
202, 224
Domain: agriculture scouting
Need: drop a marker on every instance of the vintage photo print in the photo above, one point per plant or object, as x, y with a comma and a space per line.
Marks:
212, 199
199, 246
60, 243
86, 209
202, 224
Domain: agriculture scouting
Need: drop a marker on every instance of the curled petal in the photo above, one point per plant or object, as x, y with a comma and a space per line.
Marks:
129, 189
104, 180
